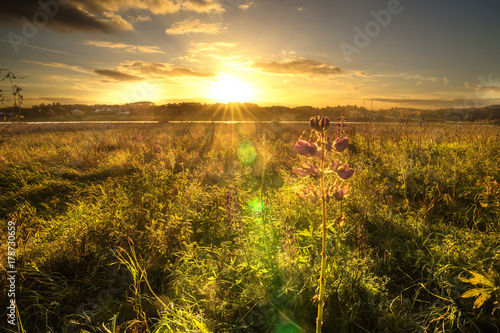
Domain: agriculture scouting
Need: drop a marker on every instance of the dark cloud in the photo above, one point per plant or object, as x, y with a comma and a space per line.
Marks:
158, 69
60, 17
93, 15
299, 67
117, 75
66, 100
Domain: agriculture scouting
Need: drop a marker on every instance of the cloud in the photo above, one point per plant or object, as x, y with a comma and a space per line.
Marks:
159, 70
444, 103
139, 18
420, 78
210, 47
95, 15
446, 81
202, 6
66, 100
213, 50
302, 66
126, 47
57, 65
491, 87
195, 26
68, 17
117, 75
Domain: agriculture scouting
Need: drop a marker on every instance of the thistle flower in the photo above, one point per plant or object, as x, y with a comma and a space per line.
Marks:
341, 144
306, 148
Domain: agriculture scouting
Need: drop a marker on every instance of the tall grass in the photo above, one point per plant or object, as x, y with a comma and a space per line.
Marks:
197, 228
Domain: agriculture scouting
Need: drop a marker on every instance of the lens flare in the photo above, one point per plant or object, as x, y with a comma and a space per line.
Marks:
256, 205
246, 153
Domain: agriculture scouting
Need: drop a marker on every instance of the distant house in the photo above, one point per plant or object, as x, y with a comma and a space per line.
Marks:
77, 112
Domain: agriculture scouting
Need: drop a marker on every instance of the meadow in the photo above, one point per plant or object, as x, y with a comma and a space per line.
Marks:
197, 228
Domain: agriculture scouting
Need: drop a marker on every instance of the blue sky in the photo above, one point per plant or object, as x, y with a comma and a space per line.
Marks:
408, 53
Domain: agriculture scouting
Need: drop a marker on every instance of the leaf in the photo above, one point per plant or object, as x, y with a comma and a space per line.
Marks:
481, 299
476, 292
478, 279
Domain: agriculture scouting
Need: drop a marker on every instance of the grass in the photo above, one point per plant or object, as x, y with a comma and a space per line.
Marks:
196, 228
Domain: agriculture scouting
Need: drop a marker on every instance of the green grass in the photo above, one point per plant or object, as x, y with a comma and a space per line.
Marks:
196, 228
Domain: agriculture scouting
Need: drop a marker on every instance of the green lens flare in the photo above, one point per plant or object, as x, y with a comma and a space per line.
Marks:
246, 153
256, 205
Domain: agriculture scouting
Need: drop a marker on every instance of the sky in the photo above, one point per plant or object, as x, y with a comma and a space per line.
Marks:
377, 53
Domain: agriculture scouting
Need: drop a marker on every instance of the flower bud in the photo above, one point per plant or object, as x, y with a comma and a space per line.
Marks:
328, 145
325, 122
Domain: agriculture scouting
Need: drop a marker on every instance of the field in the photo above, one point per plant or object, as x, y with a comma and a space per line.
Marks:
197, 228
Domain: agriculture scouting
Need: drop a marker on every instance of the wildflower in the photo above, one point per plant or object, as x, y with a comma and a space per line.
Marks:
328, 145
338, 193
308, 194
341, 144
158, 149
314, 122
325, 122
306, 170
306, 148
138, 136
319, 123
344, 172
333, 167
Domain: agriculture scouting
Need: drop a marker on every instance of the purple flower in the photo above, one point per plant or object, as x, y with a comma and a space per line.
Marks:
325, 122
308, 194
314, 122
344, 172
341, 144
334, 166
306, 170
306, 148
328, 144
341, 192
319, 123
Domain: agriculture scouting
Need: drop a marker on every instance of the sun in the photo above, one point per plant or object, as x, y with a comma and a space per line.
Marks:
230, 89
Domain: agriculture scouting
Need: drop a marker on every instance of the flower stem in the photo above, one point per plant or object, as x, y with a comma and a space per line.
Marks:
319, 320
